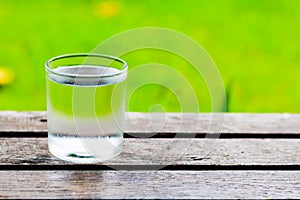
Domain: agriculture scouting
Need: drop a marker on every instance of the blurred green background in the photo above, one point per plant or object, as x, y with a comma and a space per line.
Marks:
254, 43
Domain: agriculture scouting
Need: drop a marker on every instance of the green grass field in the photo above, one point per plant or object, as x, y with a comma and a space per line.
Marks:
255, 44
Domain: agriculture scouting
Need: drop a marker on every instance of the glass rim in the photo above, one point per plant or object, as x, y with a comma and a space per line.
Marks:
113, 58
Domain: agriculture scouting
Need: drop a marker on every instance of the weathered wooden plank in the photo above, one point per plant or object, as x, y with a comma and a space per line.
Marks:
150, 184
202, 152
11, 121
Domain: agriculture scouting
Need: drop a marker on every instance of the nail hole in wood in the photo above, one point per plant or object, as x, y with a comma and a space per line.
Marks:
195, 158
43, 120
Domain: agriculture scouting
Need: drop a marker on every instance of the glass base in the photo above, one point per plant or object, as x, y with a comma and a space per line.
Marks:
85, 149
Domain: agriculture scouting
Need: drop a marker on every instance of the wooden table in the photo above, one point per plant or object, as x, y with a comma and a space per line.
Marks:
256, 156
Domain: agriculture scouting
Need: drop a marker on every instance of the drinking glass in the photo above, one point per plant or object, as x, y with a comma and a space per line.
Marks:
85, 106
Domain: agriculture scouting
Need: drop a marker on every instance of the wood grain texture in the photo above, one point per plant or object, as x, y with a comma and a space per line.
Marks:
150, 184
194, 160
210, 152
11, 121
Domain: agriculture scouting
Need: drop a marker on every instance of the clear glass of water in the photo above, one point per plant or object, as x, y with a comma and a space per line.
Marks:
85, 106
